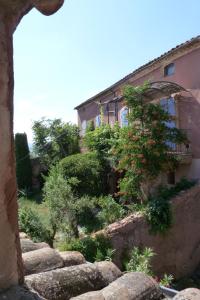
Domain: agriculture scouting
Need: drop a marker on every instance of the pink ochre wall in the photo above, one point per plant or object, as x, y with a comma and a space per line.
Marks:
187, 74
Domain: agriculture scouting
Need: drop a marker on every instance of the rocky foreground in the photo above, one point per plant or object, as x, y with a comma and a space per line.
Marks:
54, 275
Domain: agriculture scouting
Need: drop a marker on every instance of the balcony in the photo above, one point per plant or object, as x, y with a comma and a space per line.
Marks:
183, 151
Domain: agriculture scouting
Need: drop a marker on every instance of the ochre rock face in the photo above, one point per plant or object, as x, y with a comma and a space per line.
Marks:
11, 12
47, 7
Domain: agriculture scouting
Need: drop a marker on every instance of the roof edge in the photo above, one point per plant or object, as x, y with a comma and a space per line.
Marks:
148, 64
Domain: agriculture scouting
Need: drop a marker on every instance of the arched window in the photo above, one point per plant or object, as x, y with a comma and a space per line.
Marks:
168, 104
123, 117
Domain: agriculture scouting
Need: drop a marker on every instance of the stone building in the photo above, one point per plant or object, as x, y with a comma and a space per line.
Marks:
174, 82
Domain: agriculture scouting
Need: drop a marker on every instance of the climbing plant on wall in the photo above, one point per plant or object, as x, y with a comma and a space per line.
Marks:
143, 149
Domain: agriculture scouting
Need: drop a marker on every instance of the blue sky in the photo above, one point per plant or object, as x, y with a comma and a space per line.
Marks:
62, 60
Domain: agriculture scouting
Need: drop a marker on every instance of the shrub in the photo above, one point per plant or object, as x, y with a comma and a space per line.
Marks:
159, 214
158, 209
30, 223
93, 213
87, 213
93, 248
23, 163
111, 211
166, 280
89, 172
59, 199
140, 261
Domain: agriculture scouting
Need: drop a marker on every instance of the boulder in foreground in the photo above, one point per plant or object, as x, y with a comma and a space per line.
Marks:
62, 284
131, 286
188, 294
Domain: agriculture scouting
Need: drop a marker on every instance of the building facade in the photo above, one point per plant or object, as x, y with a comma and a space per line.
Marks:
175, 82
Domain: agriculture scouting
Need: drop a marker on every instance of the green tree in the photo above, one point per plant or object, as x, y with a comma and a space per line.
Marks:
89, 172
23, 163
59, 198
143, 149
54, 140
102, 138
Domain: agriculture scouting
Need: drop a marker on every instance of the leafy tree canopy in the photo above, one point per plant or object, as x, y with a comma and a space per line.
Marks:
54, 140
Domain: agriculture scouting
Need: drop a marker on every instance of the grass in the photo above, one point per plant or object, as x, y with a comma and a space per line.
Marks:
35, 203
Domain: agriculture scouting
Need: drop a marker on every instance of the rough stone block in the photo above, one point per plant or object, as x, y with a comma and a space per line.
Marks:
131, 286
72, 258
28, 245
188, 294
19, 293
41, 260
62, 284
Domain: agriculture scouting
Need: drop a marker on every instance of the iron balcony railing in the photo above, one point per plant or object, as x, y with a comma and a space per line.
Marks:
181, 149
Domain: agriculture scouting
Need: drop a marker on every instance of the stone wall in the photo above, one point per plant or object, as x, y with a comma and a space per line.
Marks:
178, 252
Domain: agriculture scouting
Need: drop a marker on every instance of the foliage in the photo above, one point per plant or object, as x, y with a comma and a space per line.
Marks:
108, 257
98, 247
159, 214
86, 209
59, 198
89, 172
140, 261
23, 163
110, 211
93, 213
158, 209
30, 223
166, 280
143, 149
54, 140
102, 138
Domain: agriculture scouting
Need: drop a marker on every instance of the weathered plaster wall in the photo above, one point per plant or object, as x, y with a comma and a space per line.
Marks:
178, 252
11, 12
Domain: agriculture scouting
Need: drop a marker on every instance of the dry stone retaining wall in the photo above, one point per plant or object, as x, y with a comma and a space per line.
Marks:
178, 252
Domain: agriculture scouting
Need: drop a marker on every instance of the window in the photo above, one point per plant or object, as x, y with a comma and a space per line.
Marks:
83, 127
171, 145
168, 104
169, 69
97, 121
123, 117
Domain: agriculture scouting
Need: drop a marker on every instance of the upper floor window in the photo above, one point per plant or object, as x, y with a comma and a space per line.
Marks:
169, 69
168, 104
97, 121
123, 117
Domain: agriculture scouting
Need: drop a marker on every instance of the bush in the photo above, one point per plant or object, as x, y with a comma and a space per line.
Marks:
140, 261
159, 214
31, 224
94, 213
89, 172
87, 213
158, 210
93, 248
111, 211
59, 198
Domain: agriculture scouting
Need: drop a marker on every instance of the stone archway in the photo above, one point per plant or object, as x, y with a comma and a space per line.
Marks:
11, 12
